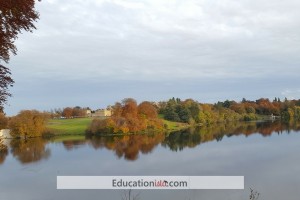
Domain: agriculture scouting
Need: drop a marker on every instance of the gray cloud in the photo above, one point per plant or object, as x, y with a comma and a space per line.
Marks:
182, 42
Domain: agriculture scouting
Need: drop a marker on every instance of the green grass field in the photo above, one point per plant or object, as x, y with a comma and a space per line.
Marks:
173, 126
75, 126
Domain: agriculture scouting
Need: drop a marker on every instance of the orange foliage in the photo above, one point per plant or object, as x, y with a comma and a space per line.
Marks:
67, 112
146, 109
128, 117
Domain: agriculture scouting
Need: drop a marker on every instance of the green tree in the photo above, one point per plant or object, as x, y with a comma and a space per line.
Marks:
250, 109
170, 112
183, 113
297, 112
194, 110
227, 103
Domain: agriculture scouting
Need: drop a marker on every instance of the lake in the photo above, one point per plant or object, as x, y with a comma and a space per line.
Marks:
266, 153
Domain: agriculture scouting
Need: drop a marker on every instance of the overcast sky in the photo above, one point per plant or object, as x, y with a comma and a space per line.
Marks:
96, 52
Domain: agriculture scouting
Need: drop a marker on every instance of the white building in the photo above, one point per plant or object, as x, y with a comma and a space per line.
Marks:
102, 113
88, 112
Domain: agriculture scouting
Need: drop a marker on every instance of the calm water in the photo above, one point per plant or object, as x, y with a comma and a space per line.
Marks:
267, 154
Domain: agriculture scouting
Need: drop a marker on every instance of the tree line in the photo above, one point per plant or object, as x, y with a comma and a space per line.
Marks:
193, 112
131, 117
69, 112
76, 111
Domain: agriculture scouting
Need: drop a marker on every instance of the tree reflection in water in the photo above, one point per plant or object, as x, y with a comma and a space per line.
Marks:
3, 152
127, 146
73, 144
29, 150
130, 146
195, 136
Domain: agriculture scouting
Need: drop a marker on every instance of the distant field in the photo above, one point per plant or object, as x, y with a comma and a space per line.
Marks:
75, 126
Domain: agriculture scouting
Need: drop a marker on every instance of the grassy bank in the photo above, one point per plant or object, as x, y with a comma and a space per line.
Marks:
77, 126
175, 126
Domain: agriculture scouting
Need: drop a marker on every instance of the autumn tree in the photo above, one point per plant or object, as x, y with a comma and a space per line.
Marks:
146, 109
128, 117
130, 113
28, 123
78, 112
67, 112
15, 16
117, 110
250, 107
3, 121
130, 109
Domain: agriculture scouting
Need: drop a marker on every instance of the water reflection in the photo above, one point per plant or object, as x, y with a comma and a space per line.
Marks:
73, 144
129, 147
3, 152
30, 150
195, 136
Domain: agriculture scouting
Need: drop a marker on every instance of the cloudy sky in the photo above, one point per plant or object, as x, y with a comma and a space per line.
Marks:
96, 52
